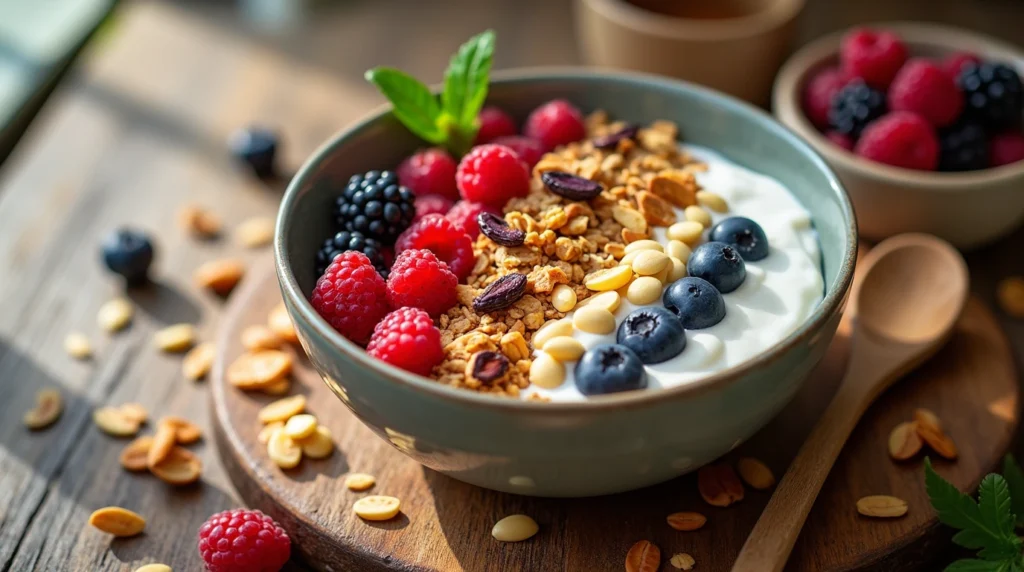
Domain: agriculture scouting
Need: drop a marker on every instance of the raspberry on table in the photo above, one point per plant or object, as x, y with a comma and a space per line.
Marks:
529, 150
494, 123
902, 139
993, 95
555, 123
841, 139
243, 540
345, 241
419, 280
375, 205
954, 63
429, 172
922, 87
407, 338
431, 204
464, 214
1006, 148
440, 236
963, 147
351, 296
854, 107
819, 92
873, 56
492, 174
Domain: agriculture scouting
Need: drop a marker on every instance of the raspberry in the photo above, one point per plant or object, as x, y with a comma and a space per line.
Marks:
492, 174
529, 150
902, 139
419, 280
374, 204
841, 139
875, 57
819, 92
464, 214
440, 236
242, 540
953, 63
993, 95
963, 147
351, 296
344, 241
555, 123
1006, 148
429, 172
922, 87
431, 204
494, 123
407, 338
854, 107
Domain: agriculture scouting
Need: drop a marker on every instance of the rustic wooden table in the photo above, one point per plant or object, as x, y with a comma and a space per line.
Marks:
136, 132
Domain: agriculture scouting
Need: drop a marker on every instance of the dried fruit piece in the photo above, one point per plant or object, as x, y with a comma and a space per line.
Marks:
359, 481
221, 276
755, 473
300, 426
118, 521
682, 561
256, 370
612, 139
501, 293
78, 346
904, 442
686, 521
198, 361
283, 451
199, 221
164, 440
282, 409
49, 406
495, 228
133, 456
643, 557
487, 366
570, 186
319, 445
180, 467
514, 528
719, 485
115, 314
882, 506
255, 232
377, 507
1010, 294
279, 321
185, 431
260, 337
676, 187
114, 422
176, 338
268, 430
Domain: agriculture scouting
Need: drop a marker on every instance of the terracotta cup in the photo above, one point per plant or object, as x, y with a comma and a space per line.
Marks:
735, 46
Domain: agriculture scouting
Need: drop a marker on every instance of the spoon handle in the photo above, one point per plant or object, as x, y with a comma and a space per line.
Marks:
769, 544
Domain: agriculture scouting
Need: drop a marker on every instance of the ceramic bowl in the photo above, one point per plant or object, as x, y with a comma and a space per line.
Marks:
735, 46
967, 209
610, 443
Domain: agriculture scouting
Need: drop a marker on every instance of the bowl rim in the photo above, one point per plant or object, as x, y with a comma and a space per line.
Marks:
643, 21
787, 95
830, 304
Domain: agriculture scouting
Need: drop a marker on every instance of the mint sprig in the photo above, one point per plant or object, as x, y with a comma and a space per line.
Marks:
452, 121
1015, 480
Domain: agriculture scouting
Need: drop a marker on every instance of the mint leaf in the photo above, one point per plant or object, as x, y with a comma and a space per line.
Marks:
413, 103
1015, 480
994, 505
973, 565
466, 79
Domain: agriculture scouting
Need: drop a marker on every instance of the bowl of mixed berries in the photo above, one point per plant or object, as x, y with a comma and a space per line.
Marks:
922, 123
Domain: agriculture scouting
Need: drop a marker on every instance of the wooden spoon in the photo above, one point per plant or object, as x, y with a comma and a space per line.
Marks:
912, 291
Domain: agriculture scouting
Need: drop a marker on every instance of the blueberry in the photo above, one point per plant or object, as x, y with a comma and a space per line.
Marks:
654, 334
695, 302
257, 148
718, 263
609, 369
129, 253
744, 234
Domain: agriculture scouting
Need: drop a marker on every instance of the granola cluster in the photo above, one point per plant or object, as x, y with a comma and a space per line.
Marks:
644, 178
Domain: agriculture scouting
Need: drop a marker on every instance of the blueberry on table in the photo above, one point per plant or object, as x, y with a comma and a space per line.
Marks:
746, 235
695, 302
718, 263
129, 253
654, 334
609, 369
257, 148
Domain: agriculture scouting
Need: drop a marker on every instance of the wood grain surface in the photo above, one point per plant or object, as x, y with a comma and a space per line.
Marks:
137, 129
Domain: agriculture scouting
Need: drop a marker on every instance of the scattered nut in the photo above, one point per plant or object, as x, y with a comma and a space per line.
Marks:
180, 467
656, 210
719, 485
255, 232
115, 422
300, 426
687, 232
928, 419
514, 528
221, 276
678, 249
643, 557
198, 361
154, 568
677, 272
904, 442
185, 431
118, 521
279, 387
564, 348
644, 245
318, 445
268, 430
377, 507
713, 201
260, 337
78, 346
135, 412
49, 406
563, 298
281, 324
283, 451
608, 300
199, 221
1010, 294
176, 338
649, 262
546, 371
629, 218
166, 438
938, 441
676, 187
882, 506
359, 481
755, 473
686, 521
549, 330
282, 409
256, 370
610, 278
594, 320
682, 561
115, 314
699, 215
134, 455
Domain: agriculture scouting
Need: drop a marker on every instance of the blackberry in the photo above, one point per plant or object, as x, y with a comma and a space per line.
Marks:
854, 107
993, 95
348, 240
375, 205
963, 147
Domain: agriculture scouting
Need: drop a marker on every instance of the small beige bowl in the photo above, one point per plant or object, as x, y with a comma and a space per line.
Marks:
735, 46
968, 209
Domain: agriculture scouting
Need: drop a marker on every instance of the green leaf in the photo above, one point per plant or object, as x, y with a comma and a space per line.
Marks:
466, 80
973, 565
413, 103
994, 505
1015, 480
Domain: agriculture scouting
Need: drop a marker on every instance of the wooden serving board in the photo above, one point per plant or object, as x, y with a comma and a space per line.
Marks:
445, 524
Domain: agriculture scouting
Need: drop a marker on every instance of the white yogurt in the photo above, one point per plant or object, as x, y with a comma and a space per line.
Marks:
779, 293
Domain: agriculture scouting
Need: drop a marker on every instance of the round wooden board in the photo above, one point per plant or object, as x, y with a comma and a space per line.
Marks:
445, 524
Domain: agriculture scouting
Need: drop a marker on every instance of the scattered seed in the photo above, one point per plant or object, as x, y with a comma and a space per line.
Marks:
198, 361
154, 568
698, 215
49, 406
185, 431
551, 329
319, 445
133, 456
678, 249
643, 557
687, 232
78, 346
268, 430
279, 321
256, 370
644, 290
686, 521
164, 440
719, 485
713, 201
113, 421
176, 338
755, 473
608, 300
563, 298
594, 320
282, 409
180, 467
514, 528
283, 451
564, 348
1010, 294
649, 262
677, 272
260, 337
609, 278
255, 232
199, 221
682, 561
115, 314
882, 506
279, 387
904, 442
118, 521
221, 276
359, 481
300, 426
377, 507
644, 245
546, 371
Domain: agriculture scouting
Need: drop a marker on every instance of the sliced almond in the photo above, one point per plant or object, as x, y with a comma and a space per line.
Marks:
882, 506
359, 481
198, 221
283, 451
643, 557
719, 485
928, 419
629, 218
938, 441
686, 521
256, 370
255, 232
115, 314
676, 187
114, 421
268, 430
300, 426
281, 324
118, 521
377, 507
133, 456
164, 440
180, 467
176, 338
78, 346
221, 276
185, 431
656, 210
318, 445
49, 406
904, 442
755, 473
198, 361
682, 561
260, 337
282, 409
279, 387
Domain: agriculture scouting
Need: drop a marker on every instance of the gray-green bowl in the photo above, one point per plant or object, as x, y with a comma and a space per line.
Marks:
610, 443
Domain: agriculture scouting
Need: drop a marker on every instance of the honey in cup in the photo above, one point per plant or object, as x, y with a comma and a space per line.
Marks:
701, 9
